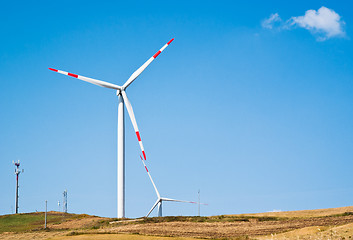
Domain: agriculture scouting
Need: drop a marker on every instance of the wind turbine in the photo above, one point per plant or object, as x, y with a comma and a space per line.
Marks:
161, 199
122, 98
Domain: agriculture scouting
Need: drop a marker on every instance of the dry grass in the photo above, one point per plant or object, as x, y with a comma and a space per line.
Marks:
303, 213
252, 227
31, 235
82, 223
317, 232
334, 223
118, 237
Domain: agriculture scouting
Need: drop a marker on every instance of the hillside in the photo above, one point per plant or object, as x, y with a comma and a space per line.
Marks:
333, 223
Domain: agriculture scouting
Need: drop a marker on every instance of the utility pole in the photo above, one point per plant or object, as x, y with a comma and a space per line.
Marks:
45, 221
17, 172
199, 202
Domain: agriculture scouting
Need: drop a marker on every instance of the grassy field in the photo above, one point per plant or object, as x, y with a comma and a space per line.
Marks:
334, 223
33, 221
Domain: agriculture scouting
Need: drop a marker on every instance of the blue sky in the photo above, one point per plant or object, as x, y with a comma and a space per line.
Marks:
257, 117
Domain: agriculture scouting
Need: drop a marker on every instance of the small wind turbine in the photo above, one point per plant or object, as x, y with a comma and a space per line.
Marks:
161, 199
120, 92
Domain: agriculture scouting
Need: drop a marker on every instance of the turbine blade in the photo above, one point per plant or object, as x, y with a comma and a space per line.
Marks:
143, 67
202, 203
155, 188
153, 207
175, 200
133, 120
87, 79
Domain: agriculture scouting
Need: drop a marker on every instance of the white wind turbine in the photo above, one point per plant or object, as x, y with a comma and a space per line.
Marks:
122, 98
161, 199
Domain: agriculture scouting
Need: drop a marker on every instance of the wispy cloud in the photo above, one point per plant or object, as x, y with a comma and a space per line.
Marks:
324, 23
271, 21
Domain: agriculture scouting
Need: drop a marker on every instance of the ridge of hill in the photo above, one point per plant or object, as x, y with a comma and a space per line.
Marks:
303, 213
333, 223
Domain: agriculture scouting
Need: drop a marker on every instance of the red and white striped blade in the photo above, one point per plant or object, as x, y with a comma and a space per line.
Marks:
133, 120
87, 79
143, 67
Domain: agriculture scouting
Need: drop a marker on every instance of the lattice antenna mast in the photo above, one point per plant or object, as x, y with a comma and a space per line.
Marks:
17, 172
65, 201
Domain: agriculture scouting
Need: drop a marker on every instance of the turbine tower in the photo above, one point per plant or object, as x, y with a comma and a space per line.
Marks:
122, 100
159, 198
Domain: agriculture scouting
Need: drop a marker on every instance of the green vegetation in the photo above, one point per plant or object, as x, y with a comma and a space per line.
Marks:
342, 214
32, 221
35, 221
73, 233
100, 224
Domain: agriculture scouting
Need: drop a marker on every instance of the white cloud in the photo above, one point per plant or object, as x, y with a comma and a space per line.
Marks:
269, 22
324, 23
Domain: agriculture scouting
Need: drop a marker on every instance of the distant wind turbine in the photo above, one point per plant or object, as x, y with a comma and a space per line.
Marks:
122, 98
161, 199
